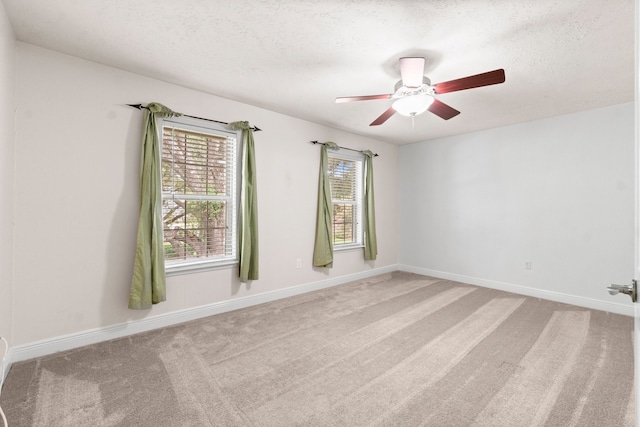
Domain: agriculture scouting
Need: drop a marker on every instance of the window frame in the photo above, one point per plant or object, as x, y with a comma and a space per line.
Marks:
358, 229
216, 129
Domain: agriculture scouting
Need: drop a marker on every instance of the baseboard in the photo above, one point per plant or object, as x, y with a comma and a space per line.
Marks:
6, 365
579, 301
68, 342
88, 337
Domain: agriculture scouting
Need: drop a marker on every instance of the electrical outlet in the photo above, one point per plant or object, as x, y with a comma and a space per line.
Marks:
299, 263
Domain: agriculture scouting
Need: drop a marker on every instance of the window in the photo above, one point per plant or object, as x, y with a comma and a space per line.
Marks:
346, 177
198, 194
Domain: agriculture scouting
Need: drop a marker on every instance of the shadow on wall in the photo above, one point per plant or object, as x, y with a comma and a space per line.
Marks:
122, 236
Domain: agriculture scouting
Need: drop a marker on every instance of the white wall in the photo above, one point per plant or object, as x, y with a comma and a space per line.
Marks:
7, 82
77, 159
557, 192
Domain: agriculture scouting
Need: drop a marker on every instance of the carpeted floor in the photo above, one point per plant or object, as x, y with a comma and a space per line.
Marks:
393, 350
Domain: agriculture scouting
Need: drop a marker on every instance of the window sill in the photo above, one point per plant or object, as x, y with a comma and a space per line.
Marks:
344, 248
180, 269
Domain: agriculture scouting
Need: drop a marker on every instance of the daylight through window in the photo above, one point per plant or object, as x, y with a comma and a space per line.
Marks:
198, 195
346, 177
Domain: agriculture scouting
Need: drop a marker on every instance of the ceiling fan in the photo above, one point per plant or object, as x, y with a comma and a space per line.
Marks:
414, 94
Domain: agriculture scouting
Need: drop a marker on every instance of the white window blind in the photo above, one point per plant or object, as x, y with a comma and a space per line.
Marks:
198, 195
346, 179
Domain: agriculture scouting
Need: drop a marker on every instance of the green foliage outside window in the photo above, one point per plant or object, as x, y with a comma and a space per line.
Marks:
195, 189
343, 175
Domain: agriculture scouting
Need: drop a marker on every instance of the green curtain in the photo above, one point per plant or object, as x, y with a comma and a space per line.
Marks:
323, 248
370, 240
148, 283
248, 218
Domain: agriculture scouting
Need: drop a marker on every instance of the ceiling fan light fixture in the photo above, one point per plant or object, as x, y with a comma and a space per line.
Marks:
413, 105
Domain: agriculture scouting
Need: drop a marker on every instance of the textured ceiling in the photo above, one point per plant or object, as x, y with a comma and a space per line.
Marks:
297, 56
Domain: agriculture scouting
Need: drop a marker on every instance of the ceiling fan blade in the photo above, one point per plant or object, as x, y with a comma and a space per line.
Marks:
383, 117
442, 110
478, 80
412, 71
362, 98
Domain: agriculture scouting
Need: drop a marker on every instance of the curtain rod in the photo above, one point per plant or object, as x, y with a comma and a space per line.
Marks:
140, 107
343, 148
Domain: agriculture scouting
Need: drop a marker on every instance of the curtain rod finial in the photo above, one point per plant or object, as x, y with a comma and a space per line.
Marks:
138, 106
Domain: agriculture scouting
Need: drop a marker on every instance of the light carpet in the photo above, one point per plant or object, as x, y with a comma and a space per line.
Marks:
398, 349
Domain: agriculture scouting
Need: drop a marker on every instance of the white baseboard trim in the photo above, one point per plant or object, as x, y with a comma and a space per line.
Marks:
579, 301
6, 365
71, 341
92, 336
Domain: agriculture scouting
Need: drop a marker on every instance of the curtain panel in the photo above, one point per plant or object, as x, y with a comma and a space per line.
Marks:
148, 284
370, 238
248, 215
323, 248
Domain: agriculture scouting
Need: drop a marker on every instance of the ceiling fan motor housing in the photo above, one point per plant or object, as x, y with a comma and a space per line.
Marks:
425, 82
